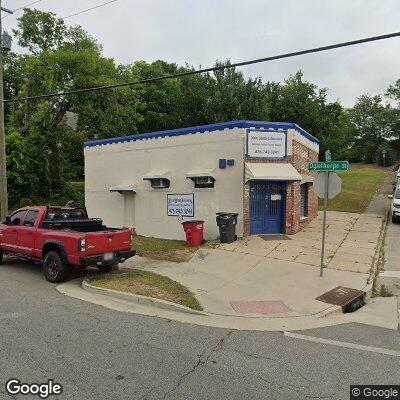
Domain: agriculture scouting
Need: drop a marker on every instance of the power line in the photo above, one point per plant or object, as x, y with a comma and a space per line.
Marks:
210, 69
68, 16
90, 9
21, 8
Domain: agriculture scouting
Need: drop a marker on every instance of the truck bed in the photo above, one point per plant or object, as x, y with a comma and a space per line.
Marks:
78, 225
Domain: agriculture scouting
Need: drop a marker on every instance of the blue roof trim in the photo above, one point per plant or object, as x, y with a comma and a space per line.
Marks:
204, 128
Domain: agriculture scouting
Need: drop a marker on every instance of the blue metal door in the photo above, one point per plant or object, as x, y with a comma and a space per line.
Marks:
267, 207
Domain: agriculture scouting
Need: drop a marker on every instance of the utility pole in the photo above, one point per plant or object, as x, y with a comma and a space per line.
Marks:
3, 165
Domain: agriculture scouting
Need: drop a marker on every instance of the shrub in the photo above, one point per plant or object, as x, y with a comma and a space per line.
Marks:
385, 292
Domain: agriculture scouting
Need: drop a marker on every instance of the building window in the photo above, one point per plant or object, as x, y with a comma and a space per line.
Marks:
304, 200
159, 183
204, 182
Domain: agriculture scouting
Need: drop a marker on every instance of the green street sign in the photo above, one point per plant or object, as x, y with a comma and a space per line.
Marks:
330, 166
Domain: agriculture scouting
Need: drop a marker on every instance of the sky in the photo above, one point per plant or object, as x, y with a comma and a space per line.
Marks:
201, 32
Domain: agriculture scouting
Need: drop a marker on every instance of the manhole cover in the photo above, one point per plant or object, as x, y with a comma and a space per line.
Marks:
260, 307
340, 296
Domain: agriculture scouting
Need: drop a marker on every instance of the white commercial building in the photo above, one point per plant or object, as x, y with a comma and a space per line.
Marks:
152, 182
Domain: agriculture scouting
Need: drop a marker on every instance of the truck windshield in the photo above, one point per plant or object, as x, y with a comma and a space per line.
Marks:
397, 194
65, 214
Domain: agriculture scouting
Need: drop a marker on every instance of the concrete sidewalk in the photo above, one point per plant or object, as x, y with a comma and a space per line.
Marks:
225, 282
379, 311
278, 276
351, 243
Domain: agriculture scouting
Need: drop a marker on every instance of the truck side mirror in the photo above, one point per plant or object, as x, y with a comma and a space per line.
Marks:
8, 220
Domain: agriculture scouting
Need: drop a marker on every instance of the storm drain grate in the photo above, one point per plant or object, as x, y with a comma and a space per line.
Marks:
260, 307
341, 296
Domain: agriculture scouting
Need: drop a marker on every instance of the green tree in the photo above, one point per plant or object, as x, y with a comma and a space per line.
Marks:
231, 96
305, 104
393, 93
39, 31
64, 59
372, 123
44, 150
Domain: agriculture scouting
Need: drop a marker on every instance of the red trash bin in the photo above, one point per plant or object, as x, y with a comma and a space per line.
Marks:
194, 232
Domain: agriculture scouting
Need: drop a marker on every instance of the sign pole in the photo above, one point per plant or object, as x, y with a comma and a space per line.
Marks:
326, 186
321, 271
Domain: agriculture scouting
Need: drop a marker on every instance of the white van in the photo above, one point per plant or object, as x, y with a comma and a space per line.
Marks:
395, 208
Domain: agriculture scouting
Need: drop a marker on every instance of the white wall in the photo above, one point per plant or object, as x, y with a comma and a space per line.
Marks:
126, 163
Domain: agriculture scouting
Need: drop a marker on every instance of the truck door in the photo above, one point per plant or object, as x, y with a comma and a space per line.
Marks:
26, 235
10, 233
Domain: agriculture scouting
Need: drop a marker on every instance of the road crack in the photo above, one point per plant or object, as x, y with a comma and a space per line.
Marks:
200, 362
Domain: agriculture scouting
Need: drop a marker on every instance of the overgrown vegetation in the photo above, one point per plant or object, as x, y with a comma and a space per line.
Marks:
162, 249
45, 137
149, 284
385, 292
359, 184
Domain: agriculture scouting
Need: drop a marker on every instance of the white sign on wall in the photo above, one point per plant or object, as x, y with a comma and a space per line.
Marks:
180, 205
266, 144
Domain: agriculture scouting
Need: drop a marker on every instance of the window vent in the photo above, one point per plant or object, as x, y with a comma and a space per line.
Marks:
159, 183
203, 181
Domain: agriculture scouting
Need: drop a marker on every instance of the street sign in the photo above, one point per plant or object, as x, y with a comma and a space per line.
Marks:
330, 166
334, 185
327, 185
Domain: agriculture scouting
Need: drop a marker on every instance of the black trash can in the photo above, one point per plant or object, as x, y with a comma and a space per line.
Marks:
227, 226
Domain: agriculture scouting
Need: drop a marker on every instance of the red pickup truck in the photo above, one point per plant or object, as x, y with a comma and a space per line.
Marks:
62, 237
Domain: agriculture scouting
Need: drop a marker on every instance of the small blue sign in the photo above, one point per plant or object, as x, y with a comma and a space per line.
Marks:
222, 163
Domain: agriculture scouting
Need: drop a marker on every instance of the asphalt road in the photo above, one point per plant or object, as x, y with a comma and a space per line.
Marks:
96, 353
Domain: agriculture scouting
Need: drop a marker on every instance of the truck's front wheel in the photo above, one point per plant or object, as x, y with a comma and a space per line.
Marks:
54, 269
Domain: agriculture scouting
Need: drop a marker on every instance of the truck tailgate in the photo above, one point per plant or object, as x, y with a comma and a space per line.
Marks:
107, 241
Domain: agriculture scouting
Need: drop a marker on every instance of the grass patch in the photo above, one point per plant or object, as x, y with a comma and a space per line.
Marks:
358, 187
149, 284
162, 249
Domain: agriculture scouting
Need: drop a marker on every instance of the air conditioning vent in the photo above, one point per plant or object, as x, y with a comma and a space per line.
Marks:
204, 182
159, 183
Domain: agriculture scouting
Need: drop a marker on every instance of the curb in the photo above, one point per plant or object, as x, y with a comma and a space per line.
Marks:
332, 310
141, 300
368, 289
378, 254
